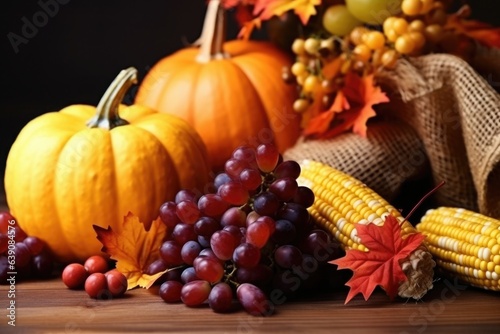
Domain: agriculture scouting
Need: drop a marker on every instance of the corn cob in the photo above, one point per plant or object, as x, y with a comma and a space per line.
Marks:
342, 200
465, 244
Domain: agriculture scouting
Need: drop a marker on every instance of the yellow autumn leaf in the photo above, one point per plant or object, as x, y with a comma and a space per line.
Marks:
304, 9
134, 248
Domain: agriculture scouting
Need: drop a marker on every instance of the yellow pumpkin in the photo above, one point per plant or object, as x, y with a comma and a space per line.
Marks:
232, 93
84, 165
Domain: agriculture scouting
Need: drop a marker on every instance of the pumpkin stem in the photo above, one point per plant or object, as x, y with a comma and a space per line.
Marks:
106, 116
213, 34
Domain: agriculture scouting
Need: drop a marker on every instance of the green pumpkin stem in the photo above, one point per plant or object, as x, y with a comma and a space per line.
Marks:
107, 116
213, 34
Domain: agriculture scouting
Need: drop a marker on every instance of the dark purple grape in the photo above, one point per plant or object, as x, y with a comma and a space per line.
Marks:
220, 179
190, 251
170, 252
288, 256
173, 275
246, 255
284, 188
182, 233
4, 269
253, 300
170, 291
189, 275
220, 298
22, 254
204, 241
4, 243
304, 196
206, 226
261, 275
289, 168
316, 243
266, 204
285, 232
42, 265
156, 267
294, 213
34, 244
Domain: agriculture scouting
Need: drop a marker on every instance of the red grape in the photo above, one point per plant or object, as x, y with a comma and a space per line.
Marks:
220, 298
170, 291
258, 233
4, 243
212, 205
6, 220
209, 269
74, 276
96, 264
156, 267
267, 157
188, 212
96, 286
116, 282
234, 216
168, 214
253, 300
223, 244
246, 154
195, 293
186, 195
234, 167
234, 193
250, 178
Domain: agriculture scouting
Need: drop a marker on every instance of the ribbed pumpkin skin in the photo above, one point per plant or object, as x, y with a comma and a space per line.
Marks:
241, 99
62, 177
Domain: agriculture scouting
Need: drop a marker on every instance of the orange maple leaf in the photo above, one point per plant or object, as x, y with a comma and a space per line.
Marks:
248, 27
479, 31
304, 9
319, 125
134, 248
380, 265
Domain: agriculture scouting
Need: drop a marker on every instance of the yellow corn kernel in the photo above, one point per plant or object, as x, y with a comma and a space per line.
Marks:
465, 244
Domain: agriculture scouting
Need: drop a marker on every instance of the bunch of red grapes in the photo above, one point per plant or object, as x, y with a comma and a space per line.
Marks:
26, 256
250, 240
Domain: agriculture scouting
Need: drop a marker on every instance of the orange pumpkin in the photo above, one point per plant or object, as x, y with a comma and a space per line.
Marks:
231, 92
83, 165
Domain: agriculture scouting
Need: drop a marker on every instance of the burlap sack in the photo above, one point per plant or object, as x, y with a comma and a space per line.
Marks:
449, 117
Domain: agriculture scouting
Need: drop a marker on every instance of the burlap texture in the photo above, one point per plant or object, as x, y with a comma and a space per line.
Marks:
443, 115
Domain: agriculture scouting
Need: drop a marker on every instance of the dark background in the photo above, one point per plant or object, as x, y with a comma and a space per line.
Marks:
75, 55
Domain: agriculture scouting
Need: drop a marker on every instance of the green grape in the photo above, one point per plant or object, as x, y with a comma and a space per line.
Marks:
337, 20
373, 11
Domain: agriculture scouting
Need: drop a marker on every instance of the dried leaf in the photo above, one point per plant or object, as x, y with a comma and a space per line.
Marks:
482, 32
320, 124
134, 248
304, 9
248, 28
380, 266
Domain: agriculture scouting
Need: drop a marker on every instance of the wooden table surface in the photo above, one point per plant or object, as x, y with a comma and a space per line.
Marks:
49, 307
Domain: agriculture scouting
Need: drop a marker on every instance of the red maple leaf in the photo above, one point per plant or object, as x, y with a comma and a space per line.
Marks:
380, 265
482, 32
319, 124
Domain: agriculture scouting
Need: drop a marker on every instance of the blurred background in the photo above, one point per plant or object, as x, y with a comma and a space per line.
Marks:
80, 46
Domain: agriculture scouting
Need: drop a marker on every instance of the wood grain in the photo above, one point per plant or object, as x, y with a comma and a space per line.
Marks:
49, 307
